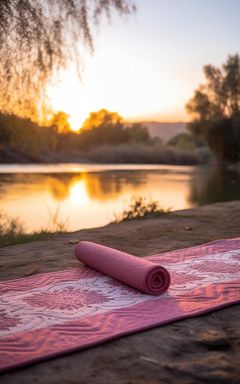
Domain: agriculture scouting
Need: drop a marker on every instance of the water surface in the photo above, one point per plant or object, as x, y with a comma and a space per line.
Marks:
86, 196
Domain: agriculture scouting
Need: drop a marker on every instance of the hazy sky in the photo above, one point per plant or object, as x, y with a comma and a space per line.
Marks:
147, 66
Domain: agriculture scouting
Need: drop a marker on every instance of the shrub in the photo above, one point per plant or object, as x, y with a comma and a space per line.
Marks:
12, 231
142, 154
139, 208
184, 141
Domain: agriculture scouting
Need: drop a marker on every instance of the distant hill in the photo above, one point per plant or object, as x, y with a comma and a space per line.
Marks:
165, 131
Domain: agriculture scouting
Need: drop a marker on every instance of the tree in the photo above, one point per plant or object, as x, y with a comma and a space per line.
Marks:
102, 127
215, 108
138, 133
184, 141
60, 122
103, 117
22, 136
37, 38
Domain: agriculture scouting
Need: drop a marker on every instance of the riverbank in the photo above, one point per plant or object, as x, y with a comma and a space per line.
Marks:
134, 153
202, 349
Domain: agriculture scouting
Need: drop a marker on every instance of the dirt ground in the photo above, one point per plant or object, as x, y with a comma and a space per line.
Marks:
205, 349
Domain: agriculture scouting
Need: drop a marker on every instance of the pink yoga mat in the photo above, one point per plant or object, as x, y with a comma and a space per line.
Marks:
51, 314
138, 273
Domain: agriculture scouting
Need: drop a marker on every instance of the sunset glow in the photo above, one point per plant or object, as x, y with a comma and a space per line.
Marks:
146, 68
101, 88
78, 194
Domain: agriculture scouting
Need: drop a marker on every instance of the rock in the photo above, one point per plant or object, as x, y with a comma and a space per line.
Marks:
215, 368
213, 339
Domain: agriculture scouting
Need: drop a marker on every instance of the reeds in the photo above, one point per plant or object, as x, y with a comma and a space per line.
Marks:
144, 154
12, 230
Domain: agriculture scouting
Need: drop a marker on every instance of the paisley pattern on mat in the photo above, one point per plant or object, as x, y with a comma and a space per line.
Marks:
197, 272
55, 312
7, 322
65, 299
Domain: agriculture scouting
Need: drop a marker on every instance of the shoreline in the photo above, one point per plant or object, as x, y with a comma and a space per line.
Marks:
91, 166
130, 153
71, 168
140, 237
201, 349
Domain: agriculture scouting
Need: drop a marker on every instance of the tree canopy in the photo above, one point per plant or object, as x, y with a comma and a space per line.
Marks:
103, 117
105, 127
102, 127
60, 122
37, 38
215, 108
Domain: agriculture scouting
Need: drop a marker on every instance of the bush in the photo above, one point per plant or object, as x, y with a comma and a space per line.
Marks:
12, 231
139, 208
184, 141
222, 137
26, 137
142, 154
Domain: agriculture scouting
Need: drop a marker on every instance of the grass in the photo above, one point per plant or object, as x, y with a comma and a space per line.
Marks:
12, 231
140, 208
156, 153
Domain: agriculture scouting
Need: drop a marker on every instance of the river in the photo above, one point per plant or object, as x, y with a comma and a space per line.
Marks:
78, 196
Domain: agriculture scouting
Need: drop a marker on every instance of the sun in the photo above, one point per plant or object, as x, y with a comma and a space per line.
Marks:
76, 122
100, 88
69, 95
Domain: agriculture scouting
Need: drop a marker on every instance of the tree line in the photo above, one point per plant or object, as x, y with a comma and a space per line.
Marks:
101, 128
215, 110
34, 46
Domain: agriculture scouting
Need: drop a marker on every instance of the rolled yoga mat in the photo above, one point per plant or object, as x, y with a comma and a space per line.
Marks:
138, 273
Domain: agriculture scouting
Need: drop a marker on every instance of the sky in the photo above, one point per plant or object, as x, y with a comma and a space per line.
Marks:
146, 66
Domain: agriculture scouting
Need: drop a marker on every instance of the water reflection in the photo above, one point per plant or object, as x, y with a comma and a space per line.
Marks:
214, 185
94, 186
90, 199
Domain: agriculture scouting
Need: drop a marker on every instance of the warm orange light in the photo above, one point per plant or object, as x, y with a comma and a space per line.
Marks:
78, 193
150, 98
75, 123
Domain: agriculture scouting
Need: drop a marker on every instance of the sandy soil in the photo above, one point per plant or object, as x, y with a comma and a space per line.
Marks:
205, 349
